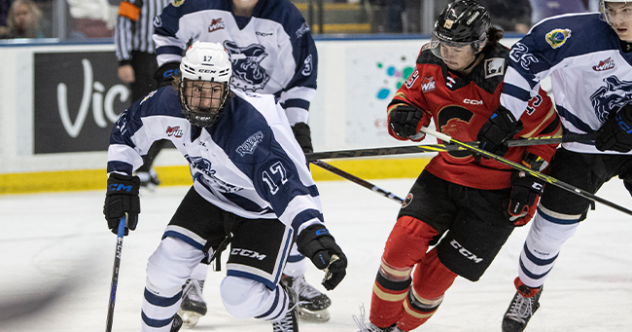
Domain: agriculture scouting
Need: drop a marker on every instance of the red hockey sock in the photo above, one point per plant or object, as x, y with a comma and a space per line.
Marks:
430, 282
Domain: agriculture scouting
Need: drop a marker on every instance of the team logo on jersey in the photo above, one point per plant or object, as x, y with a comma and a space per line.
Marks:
428, 84
411, 79
609, 99
177, 3
247, 71
494, 67
174, 131
263, 34
249, 146
302, 30
604, 65
204, 166
407, 200
558, 37
454, 120
307, 68
216, 24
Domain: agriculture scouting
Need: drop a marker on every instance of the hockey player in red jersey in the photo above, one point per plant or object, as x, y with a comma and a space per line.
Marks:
473, 202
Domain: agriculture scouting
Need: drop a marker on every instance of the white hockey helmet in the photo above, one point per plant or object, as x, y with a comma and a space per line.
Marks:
203, 87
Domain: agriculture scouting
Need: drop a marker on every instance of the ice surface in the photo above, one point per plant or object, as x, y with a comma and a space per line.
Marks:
60, 242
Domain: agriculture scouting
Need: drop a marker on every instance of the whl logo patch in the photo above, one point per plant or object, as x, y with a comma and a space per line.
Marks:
216, 24
174, 131
604, 65
428, 84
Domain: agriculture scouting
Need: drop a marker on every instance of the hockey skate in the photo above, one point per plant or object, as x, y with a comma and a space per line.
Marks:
370, 327
521, 308
193, 305
289, 322
177, 324
312, 305
148, 180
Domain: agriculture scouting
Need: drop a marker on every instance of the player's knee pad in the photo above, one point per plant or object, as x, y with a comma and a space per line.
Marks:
408, 242
170, 266
432, 278
550, 230
245, 298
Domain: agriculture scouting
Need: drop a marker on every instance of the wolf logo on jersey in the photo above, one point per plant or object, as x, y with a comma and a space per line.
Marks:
610, 98
204, 166
247, 71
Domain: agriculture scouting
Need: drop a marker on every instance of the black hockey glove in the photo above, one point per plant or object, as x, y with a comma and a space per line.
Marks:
616, 133
121, 199
317, 244
164, 74
501, 126
405, 122
303, 136
525, 194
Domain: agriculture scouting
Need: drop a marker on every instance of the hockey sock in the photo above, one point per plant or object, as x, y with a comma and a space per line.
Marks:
430, 281
525, 290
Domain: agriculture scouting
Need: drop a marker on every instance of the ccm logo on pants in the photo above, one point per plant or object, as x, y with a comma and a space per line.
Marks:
465, 252
247, 253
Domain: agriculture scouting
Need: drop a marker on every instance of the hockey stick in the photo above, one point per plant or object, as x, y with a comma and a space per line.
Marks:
357, 180
549, 179
115, 273
396, 150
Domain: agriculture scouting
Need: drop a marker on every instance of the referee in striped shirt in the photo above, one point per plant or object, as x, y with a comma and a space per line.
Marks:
137, 63
134, 45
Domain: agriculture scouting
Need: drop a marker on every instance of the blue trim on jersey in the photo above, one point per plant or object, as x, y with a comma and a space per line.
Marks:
300, 103
570, 117
274, 304
120, 166
306, 215
155, 322
245, 203
169, 50
160, 301
295, 258
184, 238
556, 220
532, 275
273, 173
517, 92
241, 274
535, 260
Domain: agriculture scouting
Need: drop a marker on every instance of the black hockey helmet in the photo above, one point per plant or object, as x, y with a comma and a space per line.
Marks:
463, 22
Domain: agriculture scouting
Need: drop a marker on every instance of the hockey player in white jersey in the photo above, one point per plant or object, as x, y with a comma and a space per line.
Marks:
272, 52
588, 58
254, 191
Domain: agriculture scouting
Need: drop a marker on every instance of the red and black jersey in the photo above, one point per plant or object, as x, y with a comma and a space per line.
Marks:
459, 106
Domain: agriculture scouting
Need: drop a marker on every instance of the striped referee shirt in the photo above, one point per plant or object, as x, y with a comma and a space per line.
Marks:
136, 34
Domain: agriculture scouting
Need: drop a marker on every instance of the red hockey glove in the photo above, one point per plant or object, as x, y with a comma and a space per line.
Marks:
525, 194
405, 122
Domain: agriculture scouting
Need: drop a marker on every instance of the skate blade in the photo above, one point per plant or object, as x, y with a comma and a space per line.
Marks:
316, 316
189, 318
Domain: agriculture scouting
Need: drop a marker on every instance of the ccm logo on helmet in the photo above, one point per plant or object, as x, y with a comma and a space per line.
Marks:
473, 102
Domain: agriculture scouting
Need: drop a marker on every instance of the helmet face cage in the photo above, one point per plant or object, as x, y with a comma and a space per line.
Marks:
461, 23
202, 101
612, 16
203, 89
